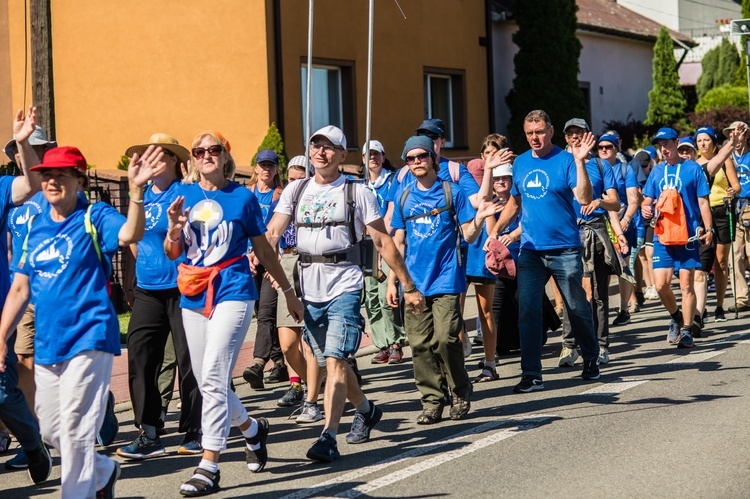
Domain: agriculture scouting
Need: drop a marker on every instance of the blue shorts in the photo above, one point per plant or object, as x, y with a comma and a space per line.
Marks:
686, 256
332, 328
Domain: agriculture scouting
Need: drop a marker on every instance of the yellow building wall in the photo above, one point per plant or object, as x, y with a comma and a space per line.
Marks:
436, 33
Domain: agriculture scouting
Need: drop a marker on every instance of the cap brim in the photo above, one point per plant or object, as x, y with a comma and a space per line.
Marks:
43, 166
176, 149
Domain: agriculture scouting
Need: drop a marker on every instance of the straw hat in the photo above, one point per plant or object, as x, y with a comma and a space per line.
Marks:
165, 141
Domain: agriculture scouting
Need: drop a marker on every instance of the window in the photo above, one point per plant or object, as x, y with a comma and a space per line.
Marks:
332, 96
444, 98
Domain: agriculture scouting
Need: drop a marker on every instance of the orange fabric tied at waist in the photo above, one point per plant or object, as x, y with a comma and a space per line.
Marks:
192, 280
671, 226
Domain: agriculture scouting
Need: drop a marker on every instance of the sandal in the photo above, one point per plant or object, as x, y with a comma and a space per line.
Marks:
256, 459
203, 481
487, 374
430, 416
5, 441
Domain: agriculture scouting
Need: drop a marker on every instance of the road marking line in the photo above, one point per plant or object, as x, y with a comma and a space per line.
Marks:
615, 387
524, 422
692, 358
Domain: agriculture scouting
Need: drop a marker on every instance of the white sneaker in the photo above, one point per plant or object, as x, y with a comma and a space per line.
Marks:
651, 293
568, 357
603, 355
309, 414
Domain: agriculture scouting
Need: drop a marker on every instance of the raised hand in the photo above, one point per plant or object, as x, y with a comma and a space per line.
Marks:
24, 125
498, 158
142, 168
488, 208
582, 149
177, 218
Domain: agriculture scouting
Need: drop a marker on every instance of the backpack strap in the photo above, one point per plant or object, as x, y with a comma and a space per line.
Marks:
25, 245
295, 202
276, 194
454, 168
350, 212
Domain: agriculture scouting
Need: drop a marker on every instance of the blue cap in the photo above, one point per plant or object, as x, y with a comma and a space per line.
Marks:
267, 155
612, 132
665, 133
651, 150
608, 137
418, 142
687, 141
708, 130
433, 125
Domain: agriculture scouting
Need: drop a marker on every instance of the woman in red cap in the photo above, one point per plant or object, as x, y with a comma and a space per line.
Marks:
66, 260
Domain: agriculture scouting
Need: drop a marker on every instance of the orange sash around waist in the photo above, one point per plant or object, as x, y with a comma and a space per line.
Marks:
192, 280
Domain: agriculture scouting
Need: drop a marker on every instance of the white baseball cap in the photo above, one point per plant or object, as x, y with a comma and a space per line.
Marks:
332, 133
505, 170
375, 145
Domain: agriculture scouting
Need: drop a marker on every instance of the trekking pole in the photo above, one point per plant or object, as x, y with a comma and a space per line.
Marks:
728, 202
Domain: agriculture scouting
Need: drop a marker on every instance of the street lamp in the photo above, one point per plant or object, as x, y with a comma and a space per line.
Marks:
741, 27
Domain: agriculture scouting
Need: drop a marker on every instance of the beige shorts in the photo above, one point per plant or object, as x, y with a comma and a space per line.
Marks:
25, 333
283, 319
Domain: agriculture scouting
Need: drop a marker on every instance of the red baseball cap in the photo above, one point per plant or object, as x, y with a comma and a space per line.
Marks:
499, 260
62, 157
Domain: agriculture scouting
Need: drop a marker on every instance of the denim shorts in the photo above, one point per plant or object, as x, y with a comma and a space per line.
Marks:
677, 257
332, 329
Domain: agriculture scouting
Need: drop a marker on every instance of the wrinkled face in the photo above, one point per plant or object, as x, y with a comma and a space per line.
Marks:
323, 154
502, 185
607, 150
210, 156
538, 134
266, 170
60, 184
374, 160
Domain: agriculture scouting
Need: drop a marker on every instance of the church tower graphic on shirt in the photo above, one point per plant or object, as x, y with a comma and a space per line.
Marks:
536, 184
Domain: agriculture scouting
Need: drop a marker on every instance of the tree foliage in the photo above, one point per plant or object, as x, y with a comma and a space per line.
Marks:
719, 117
709, 68
666, 101
546, 66
274, 142
728, 95
729, 61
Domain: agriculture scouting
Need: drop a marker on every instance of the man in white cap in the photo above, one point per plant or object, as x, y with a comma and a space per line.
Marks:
330, 214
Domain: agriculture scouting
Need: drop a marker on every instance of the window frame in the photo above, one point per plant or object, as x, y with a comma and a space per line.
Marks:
457, 121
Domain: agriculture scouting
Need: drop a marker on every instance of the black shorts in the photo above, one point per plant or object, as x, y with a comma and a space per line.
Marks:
649, 239
720, 218
708, 256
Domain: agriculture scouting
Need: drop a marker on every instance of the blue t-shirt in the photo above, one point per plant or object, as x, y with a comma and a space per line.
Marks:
66, 276
381, 187
153, 269
465, 180
624, 182
6, 205
601, 182
266, 201
18, 220
221, 223
514, 247
691, 185
476, 265
545, 186
431, 240
743, 173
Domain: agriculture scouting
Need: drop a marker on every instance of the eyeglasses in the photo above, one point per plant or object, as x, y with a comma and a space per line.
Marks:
410, 160
685, 150
325, 148
504, 180
572, 132
606, 148
429, 135
199, 152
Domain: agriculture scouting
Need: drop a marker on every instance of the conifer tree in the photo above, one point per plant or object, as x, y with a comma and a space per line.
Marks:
667, 102
274, 142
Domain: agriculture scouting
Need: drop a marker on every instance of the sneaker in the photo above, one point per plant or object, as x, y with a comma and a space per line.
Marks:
20, 462
363, 424
686, 339
382, 356
640, 299
292, 397
651, 293
622, 318
397, 355
698, 321
108, 491
110, 426
278, 374
719, 315
143, 447
40, 464
461, 405
673, 336
603, 355
528, 384
190, 447
590, 369
568, 357
254, 376
324, 449
256, 459
309, 414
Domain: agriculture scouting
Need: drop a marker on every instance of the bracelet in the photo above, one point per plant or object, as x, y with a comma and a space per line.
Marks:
137, 201
412, 289
285, 291
172, 240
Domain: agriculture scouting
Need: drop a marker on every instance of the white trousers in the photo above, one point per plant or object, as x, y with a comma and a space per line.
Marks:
71, 399
214, 347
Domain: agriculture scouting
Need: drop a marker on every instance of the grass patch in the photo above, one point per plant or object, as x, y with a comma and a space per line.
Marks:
124, 320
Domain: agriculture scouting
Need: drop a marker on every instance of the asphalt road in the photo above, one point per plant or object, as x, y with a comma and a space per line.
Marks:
661, 422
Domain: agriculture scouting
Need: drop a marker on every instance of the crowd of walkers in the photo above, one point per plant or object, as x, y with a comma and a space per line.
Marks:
304, 258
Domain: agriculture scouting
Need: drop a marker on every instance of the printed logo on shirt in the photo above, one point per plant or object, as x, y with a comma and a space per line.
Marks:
153, 213
264, 208
51, 257
743, 174
21, 215
672, 181
204, 245
290, 236
426, 226
536, 184
317, 209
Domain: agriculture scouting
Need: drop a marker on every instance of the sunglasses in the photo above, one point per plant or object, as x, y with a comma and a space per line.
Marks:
429, 135
410, 160
199, 152
606, 148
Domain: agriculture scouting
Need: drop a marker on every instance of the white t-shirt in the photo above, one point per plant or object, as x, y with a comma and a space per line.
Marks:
321, 282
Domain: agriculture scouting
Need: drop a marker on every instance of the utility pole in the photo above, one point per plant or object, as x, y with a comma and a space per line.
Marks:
42, 82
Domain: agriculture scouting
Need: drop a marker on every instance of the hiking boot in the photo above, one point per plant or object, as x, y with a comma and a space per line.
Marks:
40, 464
324, 449
20, 462
673, 336
108, 491
568, 357
528, 384
397, 354
256, 459
382, 356
309, 413
278, 374
363, 424
686, 339
622, 318
603, 355
430, 416
461, 405
254, 376
143, 447
719, 315
293, 396
590, 369
110, 425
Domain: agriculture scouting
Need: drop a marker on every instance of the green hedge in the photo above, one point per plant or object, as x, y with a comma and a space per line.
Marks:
726, 95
